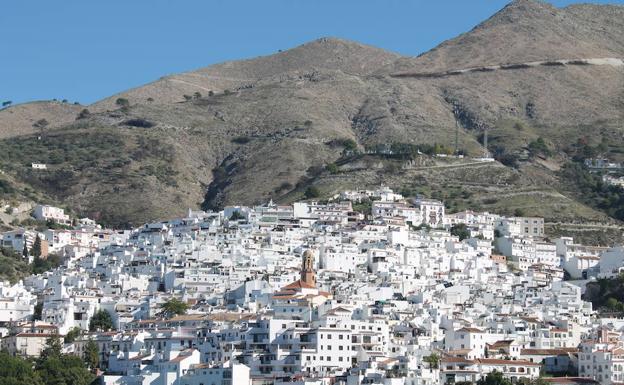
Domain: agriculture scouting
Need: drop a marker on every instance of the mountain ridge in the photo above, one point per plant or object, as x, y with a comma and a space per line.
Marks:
273, 124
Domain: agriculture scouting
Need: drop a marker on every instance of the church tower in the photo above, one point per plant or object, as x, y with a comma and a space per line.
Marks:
308, 275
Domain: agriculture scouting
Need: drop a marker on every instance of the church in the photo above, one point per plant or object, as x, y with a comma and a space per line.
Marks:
298, 300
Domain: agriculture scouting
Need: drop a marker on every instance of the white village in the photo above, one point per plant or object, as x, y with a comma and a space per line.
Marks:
317, 293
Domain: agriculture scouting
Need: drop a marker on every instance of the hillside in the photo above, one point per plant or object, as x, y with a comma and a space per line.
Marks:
22, 119
606, 295
266, 128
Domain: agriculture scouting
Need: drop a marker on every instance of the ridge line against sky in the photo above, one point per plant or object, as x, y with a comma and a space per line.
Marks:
85, 51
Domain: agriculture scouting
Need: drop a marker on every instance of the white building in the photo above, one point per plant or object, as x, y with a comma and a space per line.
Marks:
51, 213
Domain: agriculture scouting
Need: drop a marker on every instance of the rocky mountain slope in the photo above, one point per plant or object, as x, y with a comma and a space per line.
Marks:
266, 128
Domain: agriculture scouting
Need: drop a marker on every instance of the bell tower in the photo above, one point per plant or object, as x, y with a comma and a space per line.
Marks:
308, 275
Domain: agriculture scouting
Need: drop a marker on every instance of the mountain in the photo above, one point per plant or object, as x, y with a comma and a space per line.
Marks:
529, 30
266, 128
322, 54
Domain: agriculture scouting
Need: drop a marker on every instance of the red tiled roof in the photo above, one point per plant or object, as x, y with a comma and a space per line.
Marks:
547, 352
299, 284
457, 360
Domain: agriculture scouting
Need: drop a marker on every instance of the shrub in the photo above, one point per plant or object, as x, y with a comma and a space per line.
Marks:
6, 188
122, 102
241, 140
41, 124
285, 186
139, 122
84, 114
349, 144
539, 147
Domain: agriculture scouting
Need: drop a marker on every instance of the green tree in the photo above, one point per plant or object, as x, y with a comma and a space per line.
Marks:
35, 251
72, 334
173, 307
64, 369
312, 192
91, 355
53, 348
433, 360
40, 265
494, 378
460, 230
332, 168
101, 321
25, 251
197, 95
364, 206
17, 371
37, 311
236, 215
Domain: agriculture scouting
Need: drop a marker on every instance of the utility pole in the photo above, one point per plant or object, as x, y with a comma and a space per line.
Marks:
486, 153
455, 113
456, 137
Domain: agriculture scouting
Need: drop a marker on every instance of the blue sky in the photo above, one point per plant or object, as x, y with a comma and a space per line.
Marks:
85, 50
